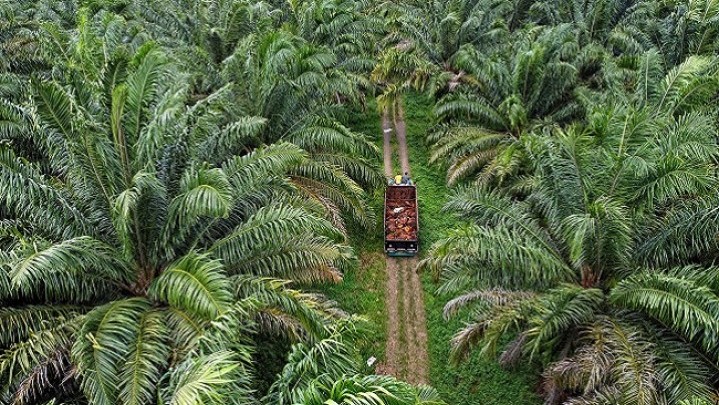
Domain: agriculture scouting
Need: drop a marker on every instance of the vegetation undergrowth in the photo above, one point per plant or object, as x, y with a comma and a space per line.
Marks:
361, 291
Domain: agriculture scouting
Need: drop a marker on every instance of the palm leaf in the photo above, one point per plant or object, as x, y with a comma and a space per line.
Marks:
194, 284
146, 360
683, 306
103, 344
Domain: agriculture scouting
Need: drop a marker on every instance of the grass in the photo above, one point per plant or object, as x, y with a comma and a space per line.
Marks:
432, 190
362, 292
476, 381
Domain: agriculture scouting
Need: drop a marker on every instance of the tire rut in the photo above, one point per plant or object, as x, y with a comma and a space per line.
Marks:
419, 357
392, 363
387, 144
407, 322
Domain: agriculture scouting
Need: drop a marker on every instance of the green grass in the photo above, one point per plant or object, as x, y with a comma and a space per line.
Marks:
476, 381
362, 292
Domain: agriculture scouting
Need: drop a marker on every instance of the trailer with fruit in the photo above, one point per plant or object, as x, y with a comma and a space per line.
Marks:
401, 220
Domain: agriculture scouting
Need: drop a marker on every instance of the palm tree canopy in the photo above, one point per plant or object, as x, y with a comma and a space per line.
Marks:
577, 269
146, 255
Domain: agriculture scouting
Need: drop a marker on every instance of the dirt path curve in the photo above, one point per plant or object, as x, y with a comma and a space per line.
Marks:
406, 353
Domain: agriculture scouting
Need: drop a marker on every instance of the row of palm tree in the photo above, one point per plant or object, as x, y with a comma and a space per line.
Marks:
583, 138
172, 174
524, 65
174, 171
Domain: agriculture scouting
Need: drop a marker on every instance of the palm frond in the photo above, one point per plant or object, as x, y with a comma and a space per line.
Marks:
283, 310
146, 360
560, 311
683, 306
194, 284
200, 379
18, 323
103, 345
58, 268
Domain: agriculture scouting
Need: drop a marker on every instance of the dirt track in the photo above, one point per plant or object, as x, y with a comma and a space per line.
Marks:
387, 145
401, 129
406, 352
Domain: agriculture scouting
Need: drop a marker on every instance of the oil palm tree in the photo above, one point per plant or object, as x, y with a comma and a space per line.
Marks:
681, 30
616, 25
513, 94
296, 88
350, 28
674, 89
203, 34
437, 30
400, 68
294, 91
21, 44
512, 14
140, 269
24, 52
576, 273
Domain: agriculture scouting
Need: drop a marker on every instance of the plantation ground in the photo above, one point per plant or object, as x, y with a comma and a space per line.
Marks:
476, 381
406, 354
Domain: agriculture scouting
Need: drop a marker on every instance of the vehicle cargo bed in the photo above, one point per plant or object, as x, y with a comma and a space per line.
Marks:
401, 221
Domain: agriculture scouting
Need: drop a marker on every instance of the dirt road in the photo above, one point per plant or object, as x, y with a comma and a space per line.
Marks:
387, 144
406, 351
401, 129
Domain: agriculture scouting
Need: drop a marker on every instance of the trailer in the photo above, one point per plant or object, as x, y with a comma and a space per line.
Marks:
401, 220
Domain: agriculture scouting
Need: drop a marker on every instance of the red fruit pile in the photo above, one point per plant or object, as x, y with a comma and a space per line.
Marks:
401, 220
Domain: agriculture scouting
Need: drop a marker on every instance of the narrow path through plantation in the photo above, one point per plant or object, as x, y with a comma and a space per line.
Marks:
406, 350
406, 327
401, 130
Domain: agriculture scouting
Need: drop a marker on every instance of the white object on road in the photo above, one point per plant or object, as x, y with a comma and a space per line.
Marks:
371, 361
